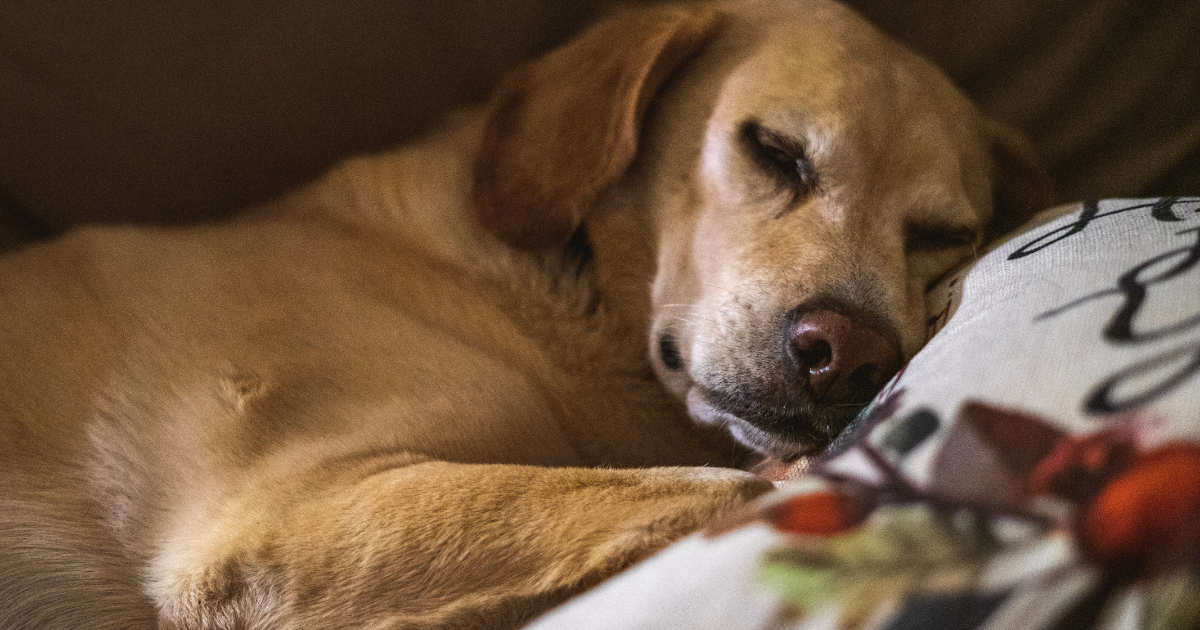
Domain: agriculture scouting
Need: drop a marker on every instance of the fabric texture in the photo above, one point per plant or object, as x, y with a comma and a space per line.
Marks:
1035, 467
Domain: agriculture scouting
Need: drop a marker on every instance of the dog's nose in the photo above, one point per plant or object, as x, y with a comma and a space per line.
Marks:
845, 361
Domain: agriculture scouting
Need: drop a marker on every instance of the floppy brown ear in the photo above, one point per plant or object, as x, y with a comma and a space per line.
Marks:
1021, 182
563, 128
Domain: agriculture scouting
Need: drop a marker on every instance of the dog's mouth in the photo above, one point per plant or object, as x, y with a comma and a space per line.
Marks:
785, 430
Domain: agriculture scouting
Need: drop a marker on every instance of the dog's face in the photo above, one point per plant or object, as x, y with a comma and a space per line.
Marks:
800, 184
837, 178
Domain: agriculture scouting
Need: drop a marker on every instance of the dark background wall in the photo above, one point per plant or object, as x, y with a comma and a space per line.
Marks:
176, 110
1109, 90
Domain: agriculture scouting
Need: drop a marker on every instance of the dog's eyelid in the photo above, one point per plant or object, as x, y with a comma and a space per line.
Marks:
920, 237
777, 142
782, 155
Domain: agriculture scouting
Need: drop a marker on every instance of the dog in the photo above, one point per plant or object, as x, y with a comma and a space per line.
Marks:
451, 385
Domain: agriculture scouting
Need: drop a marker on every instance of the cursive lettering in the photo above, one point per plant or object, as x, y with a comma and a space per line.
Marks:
1160, 210
1166, 370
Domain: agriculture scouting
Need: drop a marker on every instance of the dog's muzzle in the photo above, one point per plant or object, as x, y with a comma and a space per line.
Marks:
831, 366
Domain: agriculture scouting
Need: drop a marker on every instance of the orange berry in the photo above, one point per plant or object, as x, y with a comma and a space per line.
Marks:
818, 514
1149, 516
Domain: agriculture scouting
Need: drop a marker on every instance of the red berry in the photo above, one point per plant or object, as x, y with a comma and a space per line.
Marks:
1149, 516
818, 514
1080, 466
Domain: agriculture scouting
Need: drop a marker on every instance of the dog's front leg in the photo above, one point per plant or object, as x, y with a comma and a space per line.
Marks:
435, 545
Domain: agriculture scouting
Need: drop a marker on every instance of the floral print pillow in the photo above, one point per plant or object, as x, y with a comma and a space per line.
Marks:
1035, 467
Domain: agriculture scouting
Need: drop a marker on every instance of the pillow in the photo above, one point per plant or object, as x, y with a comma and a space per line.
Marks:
1035, 466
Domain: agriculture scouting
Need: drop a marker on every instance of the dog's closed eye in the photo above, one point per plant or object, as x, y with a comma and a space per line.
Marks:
933, 238
782, 157
943, 246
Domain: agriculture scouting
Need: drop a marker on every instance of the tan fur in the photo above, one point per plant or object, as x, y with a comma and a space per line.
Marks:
357, 407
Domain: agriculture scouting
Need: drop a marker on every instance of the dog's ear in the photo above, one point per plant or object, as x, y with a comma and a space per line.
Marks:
1021, 183
563, 128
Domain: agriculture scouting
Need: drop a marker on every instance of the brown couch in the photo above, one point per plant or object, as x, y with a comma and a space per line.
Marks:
178, 110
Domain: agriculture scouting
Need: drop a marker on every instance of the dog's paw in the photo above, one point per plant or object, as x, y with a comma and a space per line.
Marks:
668, 504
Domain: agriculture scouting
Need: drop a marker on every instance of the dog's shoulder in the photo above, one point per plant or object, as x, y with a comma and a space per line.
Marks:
417, 195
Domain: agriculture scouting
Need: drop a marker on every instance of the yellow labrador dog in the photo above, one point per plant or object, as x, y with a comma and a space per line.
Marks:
449, 386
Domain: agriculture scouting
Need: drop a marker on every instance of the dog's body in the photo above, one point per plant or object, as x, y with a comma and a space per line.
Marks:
407, 396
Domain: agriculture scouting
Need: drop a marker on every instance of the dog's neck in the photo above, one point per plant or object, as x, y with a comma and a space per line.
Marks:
589, 320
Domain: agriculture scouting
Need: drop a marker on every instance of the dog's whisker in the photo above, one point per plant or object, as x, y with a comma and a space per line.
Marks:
692, 320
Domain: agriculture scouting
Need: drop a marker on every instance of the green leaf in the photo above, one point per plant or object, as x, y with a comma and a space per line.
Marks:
900, 550
1173, 603
808, 590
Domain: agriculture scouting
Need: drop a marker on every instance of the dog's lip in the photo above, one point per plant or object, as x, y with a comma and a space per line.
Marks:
699, 407
783, 449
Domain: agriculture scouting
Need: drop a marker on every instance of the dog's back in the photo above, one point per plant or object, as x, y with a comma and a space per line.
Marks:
154, 376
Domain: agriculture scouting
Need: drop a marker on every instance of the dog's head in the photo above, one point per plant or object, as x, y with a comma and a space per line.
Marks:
773, 185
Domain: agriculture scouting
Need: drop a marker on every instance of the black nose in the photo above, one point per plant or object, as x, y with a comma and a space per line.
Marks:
844, 360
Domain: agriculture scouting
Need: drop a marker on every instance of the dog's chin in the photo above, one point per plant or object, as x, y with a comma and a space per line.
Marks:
807, 436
